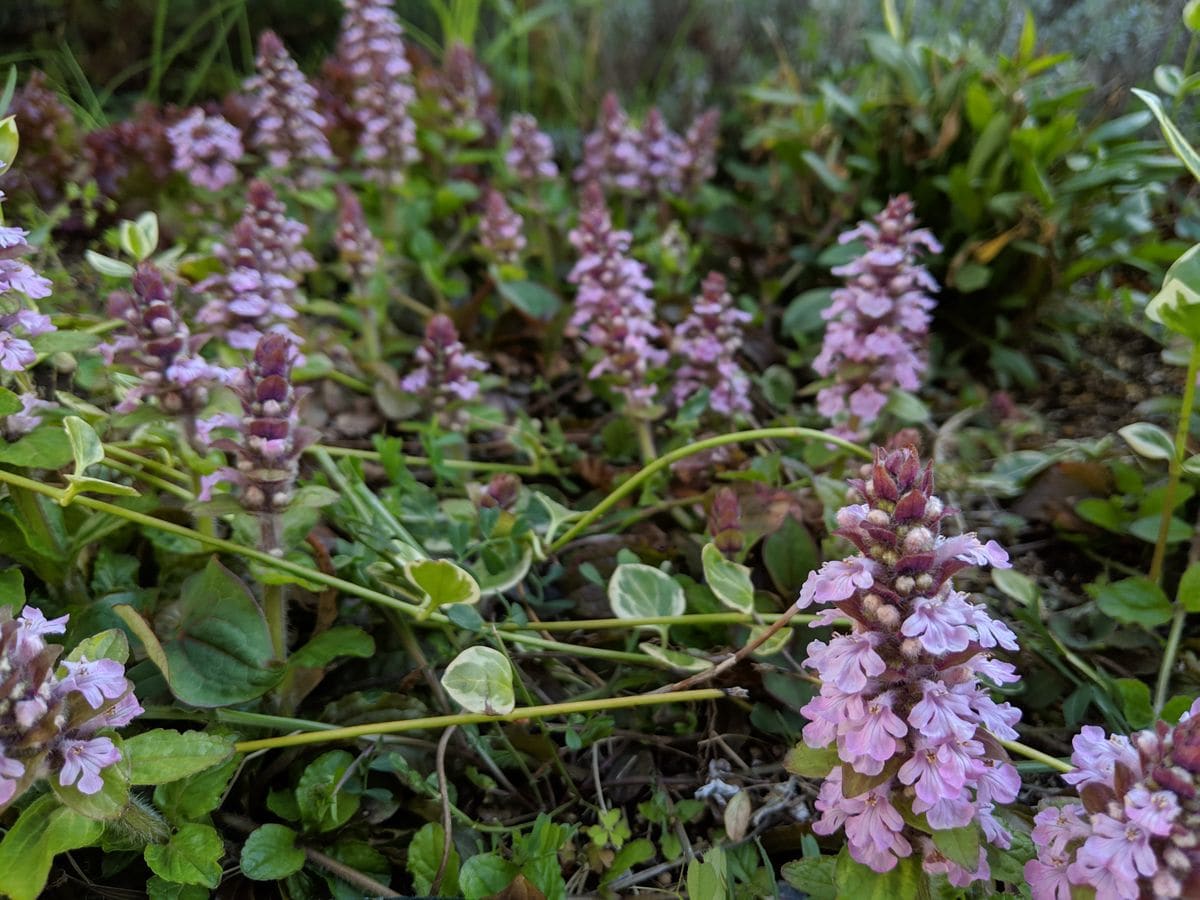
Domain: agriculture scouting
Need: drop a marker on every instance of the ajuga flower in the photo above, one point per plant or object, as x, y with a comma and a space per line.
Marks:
50, 711
879, 322
206, 148
49, 141
700, 144
157, 344
614, 154
357, 247
371, 47
708, 341
901, 698
501, 229
445, 372
133, 156
16, 278
613, 312
263, 262
665, 153
17, 425
1135, 832
464, 92
530, 153
288, 128
269, 438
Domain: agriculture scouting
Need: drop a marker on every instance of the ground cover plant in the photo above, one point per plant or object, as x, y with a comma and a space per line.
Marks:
416, 483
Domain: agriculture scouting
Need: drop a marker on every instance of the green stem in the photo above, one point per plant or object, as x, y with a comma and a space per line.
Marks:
1175, 467
1045, 759
469, 465
161, 483
208, 540
275, 612
689, 619
431, 722
119, 452
645, 437
637, 659
630, 485
1174, 473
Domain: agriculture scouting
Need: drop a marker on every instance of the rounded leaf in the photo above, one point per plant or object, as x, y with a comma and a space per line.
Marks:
480, 680
730, 581
1148, 440
442, 582
638, 591
270, 853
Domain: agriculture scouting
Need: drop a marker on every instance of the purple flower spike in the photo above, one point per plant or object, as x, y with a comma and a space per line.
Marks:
157, 344
613, 311
501, 230
877, 335
288, 129
48, 723
614, 155
700, 145
708, 341
530, 153
446, 373
371, 49
901, 698
207, 149
1134, 833
16, 277
264, 262
666, 155
357, 247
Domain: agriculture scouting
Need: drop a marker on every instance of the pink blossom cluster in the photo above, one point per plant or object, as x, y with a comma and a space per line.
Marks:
206, 149
269, 438
446, 372
357, 247
288, 128
264, 262
530, 154
158, 345
1136, 832
653, 159
17, 278
463, 90
878, 330
901, 698
613, 311
371, 48
51, 711
501, 229
708, 341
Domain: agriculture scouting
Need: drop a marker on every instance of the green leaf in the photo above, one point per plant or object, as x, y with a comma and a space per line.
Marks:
1020, 587
730, 581
1135, 702
1025, 47
1176, 707
442, 583
344, 640
192, 856
1137, 601
1191, 465
325, 802
219, 651
107, 803
1148, 440
1191, 15
46, 447
42, 831
531, 299
9, 402
197, 795
806, 762
681, 662
855, 880
708, 879
789, 555
907, 407
1175, 139
106, 265
1188, 594
424, 858
12, 589
108, 644
812, 875
163, 755
959, 845
270, 853
159, 889
10, 141
484, 875
480, 680
632, 854
638, 591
